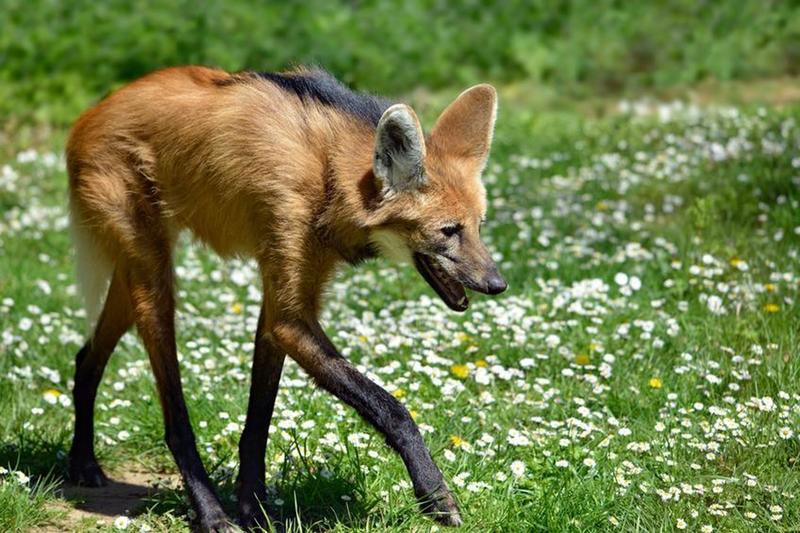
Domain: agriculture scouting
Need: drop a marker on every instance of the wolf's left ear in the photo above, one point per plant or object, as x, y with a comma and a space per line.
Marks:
464, 130
399, 150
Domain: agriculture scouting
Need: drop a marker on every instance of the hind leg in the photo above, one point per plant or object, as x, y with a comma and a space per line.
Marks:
151, 291
90, 362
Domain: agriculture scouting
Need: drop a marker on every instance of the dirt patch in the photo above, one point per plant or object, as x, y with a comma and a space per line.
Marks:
126, 494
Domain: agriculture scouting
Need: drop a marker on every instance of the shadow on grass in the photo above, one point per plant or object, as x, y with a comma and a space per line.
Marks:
320, 502
301, 502
36, 456
128, 492
311, 501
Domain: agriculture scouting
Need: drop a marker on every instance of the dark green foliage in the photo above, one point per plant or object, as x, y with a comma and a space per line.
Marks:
56, 57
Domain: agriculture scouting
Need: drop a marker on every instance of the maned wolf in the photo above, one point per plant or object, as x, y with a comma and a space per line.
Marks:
300, 173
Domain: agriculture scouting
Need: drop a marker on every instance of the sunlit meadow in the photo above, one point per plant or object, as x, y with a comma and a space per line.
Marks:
641, 373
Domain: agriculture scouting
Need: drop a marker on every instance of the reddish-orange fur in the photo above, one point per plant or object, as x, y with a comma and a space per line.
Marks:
242, 166
253, 170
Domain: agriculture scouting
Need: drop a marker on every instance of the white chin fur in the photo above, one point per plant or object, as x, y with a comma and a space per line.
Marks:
391, 246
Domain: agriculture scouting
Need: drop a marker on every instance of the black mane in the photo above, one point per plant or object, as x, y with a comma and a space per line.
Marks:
320, 86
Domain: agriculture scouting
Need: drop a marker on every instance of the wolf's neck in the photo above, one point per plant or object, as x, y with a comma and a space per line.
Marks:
350, 193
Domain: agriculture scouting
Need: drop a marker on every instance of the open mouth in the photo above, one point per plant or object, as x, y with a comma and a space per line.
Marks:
449, 290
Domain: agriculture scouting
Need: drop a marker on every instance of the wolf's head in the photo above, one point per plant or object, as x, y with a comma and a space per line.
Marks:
432, 199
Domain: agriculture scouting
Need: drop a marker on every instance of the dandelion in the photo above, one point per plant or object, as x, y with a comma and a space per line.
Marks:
236, 308
772, 308
582, 359
399, 393
460, 371
457, 441
655, 383
481, 363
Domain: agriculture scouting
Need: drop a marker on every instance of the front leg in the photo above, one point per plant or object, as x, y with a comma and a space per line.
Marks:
310, 347
266, 375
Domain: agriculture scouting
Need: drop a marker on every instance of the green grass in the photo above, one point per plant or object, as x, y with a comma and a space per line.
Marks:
57, 57
630, 406
23, 502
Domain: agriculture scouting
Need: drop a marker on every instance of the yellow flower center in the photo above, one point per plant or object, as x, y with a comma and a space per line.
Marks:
457, 441
460, 371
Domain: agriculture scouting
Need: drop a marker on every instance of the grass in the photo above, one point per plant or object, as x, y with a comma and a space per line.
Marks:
641, 372
24, 502
53, 67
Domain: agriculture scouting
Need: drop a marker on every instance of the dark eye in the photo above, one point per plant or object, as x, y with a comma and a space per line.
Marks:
452, 229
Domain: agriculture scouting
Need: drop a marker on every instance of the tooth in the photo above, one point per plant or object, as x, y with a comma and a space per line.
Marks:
463, 300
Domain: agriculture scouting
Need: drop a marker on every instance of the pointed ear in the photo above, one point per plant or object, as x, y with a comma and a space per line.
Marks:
464, 130
399, 150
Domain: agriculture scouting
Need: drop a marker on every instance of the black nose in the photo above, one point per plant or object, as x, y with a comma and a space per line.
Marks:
495, 284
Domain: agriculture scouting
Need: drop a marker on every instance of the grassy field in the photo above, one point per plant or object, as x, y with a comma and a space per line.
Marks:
56, 57
641, 373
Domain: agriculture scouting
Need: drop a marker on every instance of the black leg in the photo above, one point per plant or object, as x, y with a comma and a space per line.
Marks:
153, 303
266, 374
312, 349
90, 363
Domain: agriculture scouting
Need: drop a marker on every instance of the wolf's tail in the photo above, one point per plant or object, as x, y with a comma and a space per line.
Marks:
94, 271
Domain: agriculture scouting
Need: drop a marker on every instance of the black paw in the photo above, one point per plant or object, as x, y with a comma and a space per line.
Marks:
87, 473
442, 507
252, 516
217, 523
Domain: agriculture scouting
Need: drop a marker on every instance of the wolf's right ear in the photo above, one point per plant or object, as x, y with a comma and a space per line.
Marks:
399, 150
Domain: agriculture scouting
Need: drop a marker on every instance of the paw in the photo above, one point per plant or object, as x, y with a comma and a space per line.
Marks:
442, 507
217, 523
252, 517
87, 473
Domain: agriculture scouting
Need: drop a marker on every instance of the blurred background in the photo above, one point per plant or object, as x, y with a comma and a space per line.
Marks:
57, 57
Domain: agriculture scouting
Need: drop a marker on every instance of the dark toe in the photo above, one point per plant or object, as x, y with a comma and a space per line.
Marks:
218, 524
442, 507
87, 474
